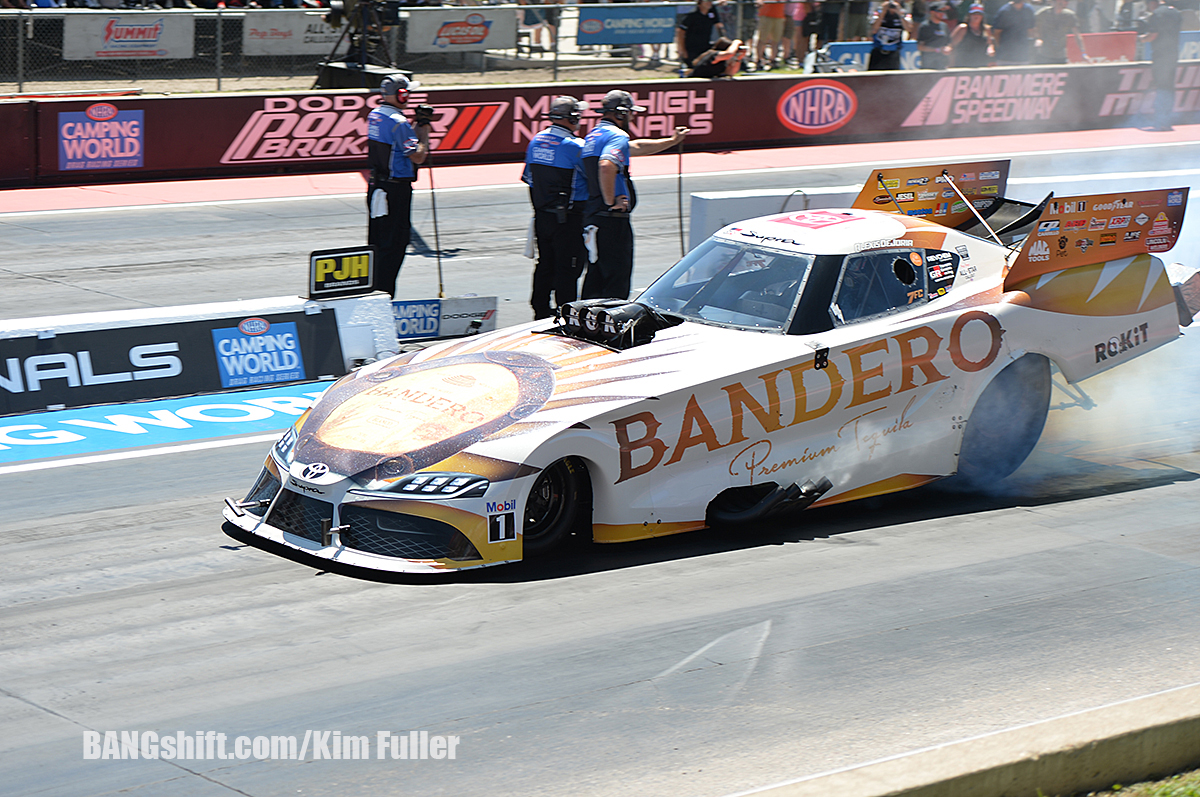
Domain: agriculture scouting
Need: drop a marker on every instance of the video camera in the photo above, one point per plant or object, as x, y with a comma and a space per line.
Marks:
423, 115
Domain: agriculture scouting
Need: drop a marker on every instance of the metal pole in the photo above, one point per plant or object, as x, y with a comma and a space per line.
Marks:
220, 44
21, 33
555, 33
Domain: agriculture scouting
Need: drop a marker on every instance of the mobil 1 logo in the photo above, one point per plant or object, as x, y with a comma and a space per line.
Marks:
502, 525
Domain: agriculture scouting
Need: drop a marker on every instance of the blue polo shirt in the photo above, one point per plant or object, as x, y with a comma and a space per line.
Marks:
552, 170
607, 142
387, 124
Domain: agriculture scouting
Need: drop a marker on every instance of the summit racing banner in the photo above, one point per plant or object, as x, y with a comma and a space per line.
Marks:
88, 37
326, 130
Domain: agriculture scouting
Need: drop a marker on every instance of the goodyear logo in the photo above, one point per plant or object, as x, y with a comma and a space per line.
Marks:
814, 107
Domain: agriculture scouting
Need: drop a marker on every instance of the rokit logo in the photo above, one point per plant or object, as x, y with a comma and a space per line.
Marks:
335, 128
1119, 344
150, 361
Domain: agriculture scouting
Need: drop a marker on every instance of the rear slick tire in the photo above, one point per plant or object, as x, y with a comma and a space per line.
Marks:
1006, 422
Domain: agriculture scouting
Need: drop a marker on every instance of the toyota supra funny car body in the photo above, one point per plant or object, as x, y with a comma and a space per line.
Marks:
800, 359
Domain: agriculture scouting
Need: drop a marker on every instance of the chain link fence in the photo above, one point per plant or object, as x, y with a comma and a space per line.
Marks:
60, 50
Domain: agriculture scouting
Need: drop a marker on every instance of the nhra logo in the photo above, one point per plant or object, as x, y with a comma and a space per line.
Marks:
814, 107
101, 111
1039, 251
323, 128
254, 326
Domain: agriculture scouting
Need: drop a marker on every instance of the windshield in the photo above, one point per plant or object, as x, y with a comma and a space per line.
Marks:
720, 282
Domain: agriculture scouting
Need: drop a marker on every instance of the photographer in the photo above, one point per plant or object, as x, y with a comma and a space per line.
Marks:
394, 149
887, 33
723, 60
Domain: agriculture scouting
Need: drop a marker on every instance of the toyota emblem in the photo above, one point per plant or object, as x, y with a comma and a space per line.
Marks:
314, 471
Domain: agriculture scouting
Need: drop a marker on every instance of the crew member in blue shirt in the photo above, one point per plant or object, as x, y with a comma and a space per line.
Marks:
394, 149
611, 196
557, 190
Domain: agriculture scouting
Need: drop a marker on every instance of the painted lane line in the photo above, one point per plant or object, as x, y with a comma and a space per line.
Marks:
95, 459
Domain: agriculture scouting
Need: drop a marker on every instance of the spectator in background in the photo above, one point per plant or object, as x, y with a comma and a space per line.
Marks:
858, 21
972, 40
1054, 24
831, 21
802, 20
1161, 31
770, 32
535, 20
933, 38
723, 59
695, 31
1013, 30
1125, 19
887, 33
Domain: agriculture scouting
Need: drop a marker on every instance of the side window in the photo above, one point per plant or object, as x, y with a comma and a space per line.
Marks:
874, 283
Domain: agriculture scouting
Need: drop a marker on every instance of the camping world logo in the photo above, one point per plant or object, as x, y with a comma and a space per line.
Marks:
313, 128
814, 107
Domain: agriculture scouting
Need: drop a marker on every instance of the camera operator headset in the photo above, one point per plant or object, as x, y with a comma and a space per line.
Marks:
395, 148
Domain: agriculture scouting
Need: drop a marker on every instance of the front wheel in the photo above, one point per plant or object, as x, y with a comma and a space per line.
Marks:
1006, 422
554, 506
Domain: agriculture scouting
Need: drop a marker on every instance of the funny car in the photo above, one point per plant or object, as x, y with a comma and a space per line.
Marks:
795, 360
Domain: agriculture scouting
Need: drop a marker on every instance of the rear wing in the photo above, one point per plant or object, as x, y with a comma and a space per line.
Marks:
925, 191
1099, 228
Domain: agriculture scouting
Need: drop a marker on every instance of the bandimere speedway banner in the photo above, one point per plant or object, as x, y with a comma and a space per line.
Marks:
81, 141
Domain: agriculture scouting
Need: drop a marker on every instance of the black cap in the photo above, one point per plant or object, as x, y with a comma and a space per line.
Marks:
618, 100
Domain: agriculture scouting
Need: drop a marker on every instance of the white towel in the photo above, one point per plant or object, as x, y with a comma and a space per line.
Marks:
379, 203
529, 240
589, 240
